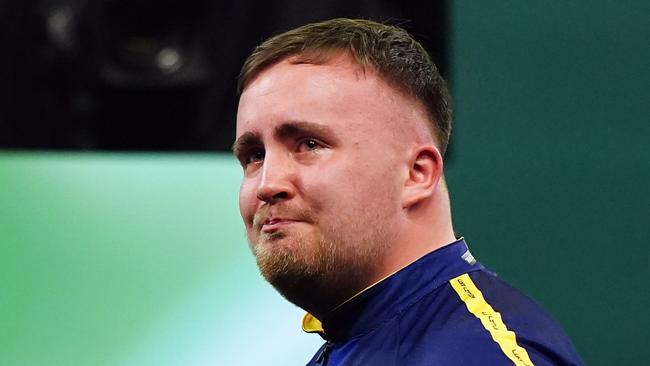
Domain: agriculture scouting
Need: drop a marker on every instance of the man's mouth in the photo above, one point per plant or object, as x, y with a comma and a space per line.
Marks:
275, 224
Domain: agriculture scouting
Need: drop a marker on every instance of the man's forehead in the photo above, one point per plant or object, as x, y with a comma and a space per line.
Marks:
294, 89
339, 65
289, 82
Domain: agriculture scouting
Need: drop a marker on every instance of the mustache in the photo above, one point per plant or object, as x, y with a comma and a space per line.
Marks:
267, 212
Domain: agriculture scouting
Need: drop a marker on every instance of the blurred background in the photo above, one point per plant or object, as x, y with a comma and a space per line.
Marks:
120, 238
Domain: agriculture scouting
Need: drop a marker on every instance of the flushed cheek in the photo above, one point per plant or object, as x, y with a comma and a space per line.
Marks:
329, 196
247, 203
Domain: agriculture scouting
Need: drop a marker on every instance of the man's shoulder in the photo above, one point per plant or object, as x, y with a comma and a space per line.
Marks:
477, 318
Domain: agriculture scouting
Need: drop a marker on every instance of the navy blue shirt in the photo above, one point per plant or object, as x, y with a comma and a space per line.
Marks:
443, 309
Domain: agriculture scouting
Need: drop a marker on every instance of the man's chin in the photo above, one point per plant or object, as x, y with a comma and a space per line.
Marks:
278, 243
291, 262
297, 275
314, 287
280, 252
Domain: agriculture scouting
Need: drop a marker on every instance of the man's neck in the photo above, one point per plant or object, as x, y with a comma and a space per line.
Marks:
422, 230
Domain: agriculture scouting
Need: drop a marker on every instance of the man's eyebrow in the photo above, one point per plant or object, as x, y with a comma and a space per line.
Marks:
245, 140
293, 129
284, 131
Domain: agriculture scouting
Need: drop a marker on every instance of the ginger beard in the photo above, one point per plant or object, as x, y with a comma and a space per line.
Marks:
320, 266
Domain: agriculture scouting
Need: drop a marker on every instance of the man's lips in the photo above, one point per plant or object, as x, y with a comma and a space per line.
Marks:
275, 224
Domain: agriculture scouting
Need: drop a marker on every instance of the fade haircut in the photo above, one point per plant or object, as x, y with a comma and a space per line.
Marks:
390, 50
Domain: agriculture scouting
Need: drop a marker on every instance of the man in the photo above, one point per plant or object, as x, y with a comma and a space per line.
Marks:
341, 132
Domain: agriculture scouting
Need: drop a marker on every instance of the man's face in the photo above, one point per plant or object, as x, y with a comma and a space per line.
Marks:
324, 158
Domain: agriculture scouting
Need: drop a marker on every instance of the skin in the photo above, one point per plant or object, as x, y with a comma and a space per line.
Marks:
342, 180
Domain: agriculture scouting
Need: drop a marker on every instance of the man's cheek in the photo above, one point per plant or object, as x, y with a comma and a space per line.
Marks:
247, 203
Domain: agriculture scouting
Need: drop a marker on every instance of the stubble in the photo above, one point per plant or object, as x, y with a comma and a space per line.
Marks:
320, 268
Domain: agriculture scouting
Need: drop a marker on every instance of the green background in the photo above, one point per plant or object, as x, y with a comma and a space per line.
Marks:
551, 165
140, 259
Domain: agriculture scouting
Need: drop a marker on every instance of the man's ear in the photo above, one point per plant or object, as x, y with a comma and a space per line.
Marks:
425, 171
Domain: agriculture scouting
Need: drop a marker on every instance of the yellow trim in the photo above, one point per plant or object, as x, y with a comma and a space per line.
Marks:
311, 325
491, 320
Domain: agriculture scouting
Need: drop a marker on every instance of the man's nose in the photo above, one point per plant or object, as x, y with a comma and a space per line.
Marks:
277, 180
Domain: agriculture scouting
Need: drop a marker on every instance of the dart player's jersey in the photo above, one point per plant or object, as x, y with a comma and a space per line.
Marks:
445, 309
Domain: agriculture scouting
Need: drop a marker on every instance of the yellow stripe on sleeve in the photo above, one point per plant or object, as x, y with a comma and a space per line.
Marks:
491, 320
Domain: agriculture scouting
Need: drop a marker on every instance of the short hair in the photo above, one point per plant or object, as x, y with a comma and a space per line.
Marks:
390, 50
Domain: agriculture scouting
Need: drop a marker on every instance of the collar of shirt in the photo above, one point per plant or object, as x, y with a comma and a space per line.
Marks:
382, 301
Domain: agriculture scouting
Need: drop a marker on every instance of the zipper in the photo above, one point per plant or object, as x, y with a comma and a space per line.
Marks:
322, 357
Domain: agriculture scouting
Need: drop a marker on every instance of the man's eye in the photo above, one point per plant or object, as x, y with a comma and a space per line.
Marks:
309, 145
255, 157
